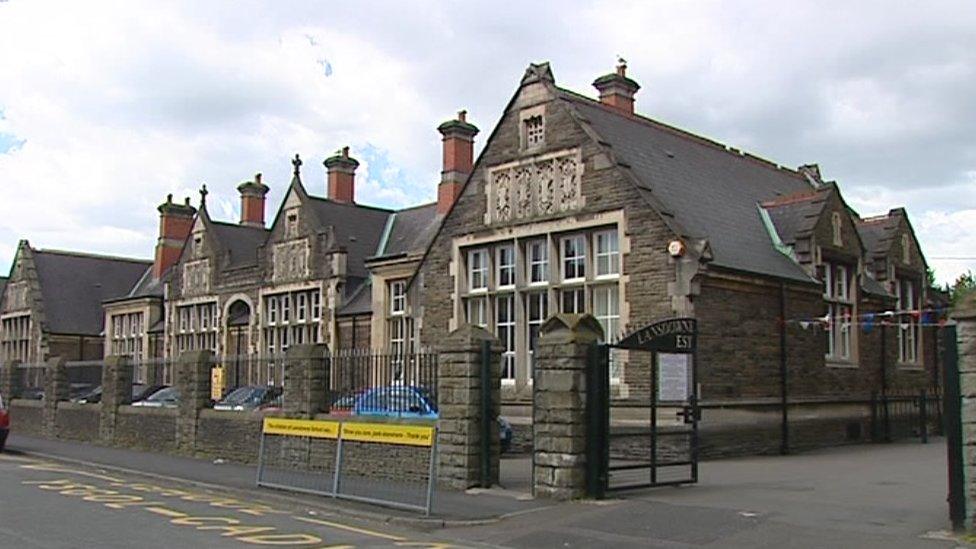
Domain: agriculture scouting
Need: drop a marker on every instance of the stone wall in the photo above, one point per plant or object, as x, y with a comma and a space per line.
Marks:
965, 315
146, 428
234, 436
27, 416
78, 421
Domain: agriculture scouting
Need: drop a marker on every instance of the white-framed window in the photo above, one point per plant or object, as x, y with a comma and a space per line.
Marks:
538, 264
184, 316
478, 311
574, 258
607, 254
301, 307
840, 310
536, 312
398, 297
909, 328
15, 338
573, 300
316, 304
534, 131
505, 330
272, 305
398, 338
286, 308
199, 326
478, 270
505, 261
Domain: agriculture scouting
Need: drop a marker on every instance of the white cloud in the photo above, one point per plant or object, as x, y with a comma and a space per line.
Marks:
119, 104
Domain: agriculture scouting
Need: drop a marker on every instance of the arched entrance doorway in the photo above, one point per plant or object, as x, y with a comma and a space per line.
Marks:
238, 324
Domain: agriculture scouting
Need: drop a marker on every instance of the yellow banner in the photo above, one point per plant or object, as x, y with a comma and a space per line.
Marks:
301, 427
412, 435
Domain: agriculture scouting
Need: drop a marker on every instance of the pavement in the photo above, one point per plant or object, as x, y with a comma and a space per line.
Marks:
890, 496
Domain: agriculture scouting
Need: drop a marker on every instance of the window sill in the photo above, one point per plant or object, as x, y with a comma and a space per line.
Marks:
911, 366
842, 364
606, 277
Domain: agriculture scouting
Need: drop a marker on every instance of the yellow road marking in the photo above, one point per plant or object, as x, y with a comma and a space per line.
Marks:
166, 512
59, 469
20, 459
341, 526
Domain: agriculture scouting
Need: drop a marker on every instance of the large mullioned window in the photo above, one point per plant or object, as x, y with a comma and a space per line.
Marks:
840, 310
513, 286
291, 318
909, 320
197, 327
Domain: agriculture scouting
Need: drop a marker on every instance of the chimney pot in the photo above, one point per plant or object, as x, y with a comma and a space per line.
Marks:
175, 223
252, 201
458, 162
617, 90
341, 176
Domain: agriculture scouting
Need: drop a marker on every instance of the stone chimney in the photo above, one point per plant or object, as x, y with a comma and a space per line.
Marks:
342, 176
252, 201
175, 223
458, 136
616, 90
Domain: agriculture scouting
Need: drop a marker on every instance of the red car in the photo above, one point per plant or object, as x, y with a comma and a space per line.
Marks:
4, 423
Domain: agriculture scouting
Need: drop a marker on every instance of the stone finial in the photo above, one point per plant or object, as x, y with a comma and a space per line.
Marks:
203, 195
296, 165
574, 328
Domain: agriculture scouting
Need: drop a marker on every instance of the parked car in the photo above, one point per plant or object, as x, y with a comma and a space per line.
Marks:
249, 397
4, 423
32, 393
168, 397
505, 433
344, 405
396, 401
139, 392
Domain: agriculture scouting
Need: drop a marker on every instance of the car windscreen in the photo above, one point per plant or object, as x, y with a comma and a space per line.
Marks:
169, 393
244, 395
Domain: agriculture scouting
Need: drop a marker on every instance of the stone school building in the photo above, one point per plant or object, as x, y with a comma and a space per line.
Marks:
575, 205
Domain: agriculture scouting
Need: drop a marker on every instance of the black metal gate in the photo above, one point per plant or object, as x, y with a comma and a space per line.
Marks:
651, 439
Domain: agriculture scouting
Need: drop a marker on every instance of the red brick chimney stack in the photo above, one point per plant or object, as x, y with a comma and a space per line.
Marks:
175, 223
616, 90
342, 176
458, 137
252, 201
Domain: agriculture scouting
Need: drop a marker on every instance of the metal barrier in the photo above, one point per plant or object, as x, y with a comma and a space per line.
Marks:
343, 460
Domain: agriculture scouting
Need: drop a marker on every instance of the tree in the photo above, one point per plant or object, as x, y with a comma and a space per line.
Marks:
963, 286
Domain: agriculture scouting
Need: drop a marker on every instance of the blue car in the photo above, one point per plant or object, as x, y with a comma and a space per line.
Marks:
396, 401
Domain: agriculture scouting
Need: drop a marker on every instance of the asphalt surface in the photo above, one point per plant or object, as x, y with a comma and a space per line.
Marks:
50, 504
866, 496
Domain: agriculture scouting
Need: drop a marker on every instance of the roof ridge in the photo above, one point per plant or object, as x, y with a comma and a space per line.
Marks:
229, 224
416, 207
792, 198
351, 204
90, 255
640, 118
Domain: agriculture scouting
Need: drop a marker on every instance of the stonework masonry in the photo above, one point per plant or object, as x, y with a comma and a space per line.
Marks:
459, 389
965, 317
559, 421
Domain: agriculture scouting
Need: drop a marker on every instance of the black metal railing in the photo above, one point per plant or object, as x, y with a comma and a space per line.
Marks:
365, 381
906, 414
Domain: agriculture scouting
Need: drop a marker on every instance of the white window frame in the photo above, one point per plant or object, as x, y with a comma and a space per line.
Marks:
840, 311
505, 269
538, 252
909, 329
534, 322
477, 311
301, 306
478, 270
398, 297
578, 261
505, 330
606, 256
578, 300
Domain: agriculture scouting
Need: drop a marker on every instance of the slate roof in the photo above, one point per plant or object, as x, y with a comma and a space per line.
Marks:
357, 228
74, 285
146, 286
411, 230
796, 215
709, 190
241, 242
359, 301
876, 233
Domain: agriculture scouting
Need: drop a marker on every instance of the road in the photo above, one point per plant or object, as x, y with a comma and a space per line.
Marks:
48, 504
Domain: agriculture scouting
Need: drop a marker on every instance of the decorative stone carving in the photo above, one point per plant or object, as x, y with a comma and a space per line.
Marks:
16, 296
535, 187
291, 260
196, 277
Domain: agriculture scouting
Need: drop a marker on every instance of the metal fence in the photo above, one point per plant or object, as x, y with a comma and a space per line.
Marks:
906, 414
84, 376
383, 463
402, 385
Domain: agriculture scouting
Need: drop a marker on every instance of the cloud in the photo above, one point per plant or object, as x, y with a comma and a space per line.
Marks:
109, 107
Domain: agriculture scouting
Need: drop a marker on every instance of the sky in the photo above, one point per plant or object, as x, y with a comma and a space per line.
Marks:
107, 107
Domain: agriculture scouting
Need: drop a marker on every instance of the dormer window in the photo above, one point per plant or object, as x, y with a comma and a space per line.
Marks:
534, 131
197, 245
